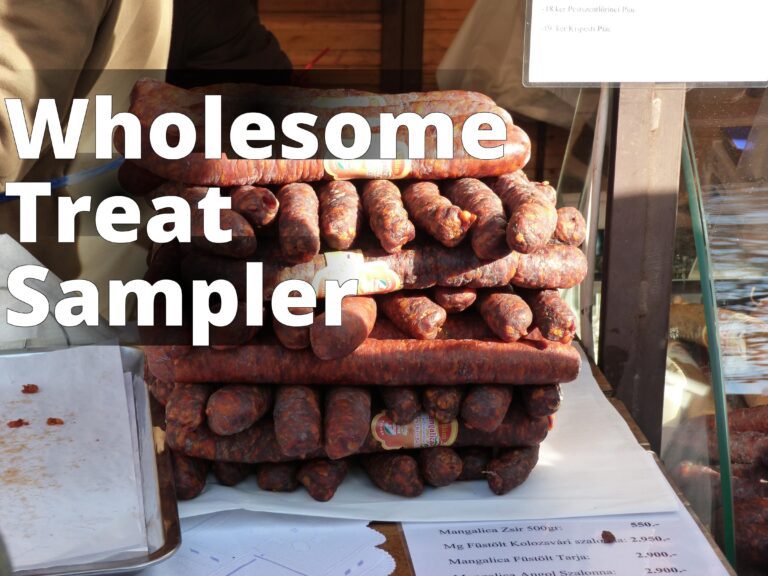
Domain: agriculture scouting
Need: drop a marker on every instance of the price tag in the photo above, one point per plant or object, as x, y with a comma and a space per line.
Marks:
693, 41
669, 543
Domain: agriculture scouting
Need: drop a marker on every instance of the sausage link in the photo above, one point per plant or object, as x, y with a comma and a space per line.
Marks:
442, 402
446, 223
256, 204
189, 475
440, 466
506, 314
532, 214
341, 214
571, 228
358, 316
474, 463
519, 179
542, 400
298, 223
387, 215
415, 315
278, 476
347, 420
550, 267
236, 332
186, 405
490, 229
161, 391
321, 478
394, 473
230, 473
484, 407
397, 363
233, 408
511, 469
293, 337
243, 243
551, 315
454, 300
298, 423
402, 402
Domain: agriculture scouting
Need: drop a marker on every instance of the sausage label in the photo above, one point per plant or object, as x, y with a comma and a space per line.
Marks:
374, 277
339, 169
422, 432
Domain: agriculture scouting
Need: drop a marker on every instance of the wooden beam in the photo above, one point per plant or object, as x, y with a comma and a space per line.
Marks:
402, 45
639, 246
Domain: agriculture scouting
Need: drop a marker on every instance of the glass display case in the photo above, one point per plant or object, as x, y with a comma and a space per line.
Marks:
715, 417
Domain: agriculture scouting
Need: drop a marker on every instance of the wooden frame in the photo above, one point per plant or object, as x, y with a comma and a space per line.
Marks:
402, 45
639, 249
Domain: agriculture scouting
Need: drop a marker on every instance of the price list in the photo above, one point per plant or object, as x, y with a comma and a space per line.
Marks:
669, 543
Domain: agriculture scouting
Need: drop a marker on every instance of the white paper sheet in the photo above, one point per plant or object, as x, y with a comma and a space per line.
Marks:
68, 493
590, 464
666, 543
242, 543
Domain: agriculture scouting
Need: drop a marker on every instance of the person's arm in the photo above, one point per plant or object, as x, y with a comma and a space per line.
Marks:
221, 42
45, 44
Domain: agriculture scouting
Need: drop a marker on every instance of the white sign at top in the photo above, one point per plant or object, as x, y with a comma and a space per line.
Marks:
593, 41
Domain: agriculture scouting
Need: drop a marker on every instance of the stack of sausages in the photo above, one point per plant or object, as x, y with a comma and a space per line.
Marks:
447, 362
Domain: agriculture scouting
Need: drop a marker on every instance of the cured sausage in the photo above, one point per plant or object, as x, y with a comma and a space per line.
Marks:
752, 419
161, 391
394, 473
543, 400
278, 476
506, 314
415, 315
189, 475
454, 300
396, 362
293, 337
358, 316
298, 223
474, 463
233, 408
386, 215
415, 268
136, 181
519, 179
256, 204
341, 214
149, 99
440, 466
347, 420
518, 429
259, 443
242, 244
751, 544
551, 315
484, 407
467, 326
403, 403
442, 402
511, 469
236, 332
298, 424
446, 223
490, 229
321, 478
532, 215
185, 408
550, 267
571, 228
230, 473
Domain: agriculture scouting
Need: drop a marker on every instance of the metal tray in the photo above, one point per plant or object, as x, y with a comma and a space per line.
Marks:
162, 517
